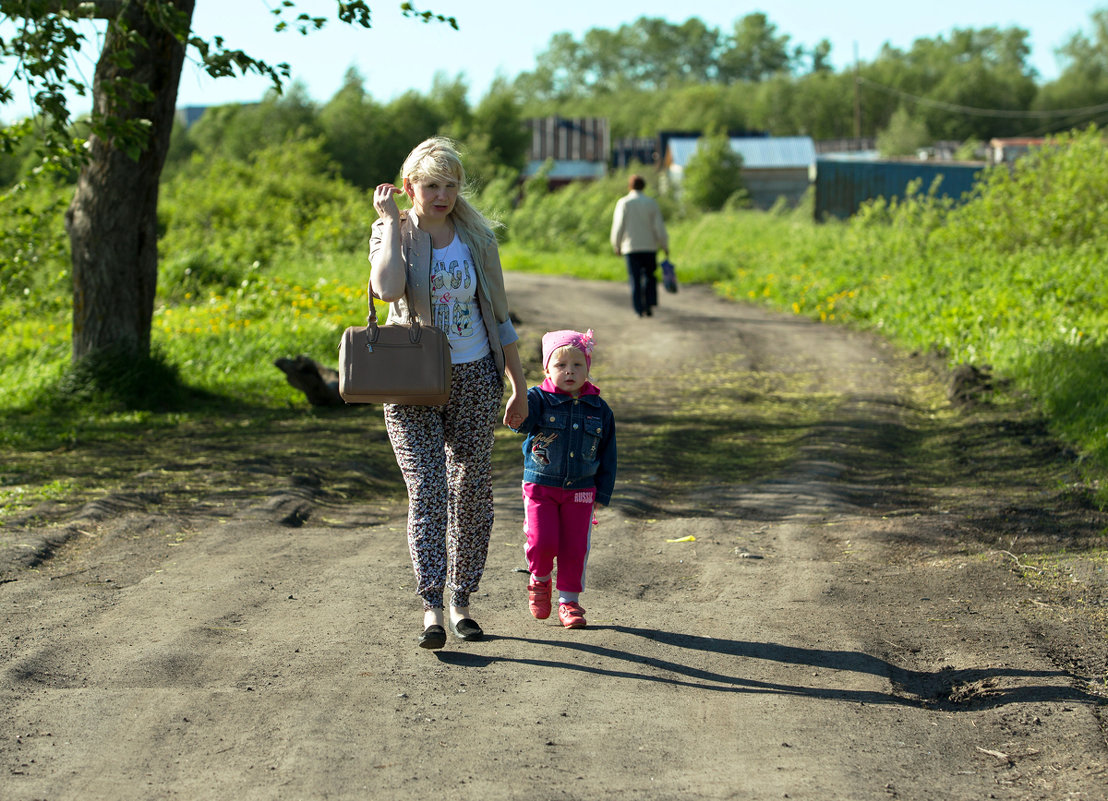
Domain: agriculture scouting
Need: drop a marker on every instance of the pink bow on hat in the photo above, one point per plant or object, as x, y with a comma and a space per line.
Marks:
559, 339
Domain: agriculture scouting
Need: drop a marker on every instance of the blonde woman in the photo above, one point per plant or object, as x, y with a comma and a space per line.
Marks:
441, 257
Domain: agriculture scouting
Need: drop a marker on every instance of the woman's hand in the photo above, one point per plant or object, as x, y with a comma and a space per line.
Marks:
516, 411
384, 202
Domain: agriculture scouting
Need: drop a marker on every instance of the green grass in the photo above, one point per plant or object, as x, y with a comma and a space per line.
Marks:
1014, 279
1039, 319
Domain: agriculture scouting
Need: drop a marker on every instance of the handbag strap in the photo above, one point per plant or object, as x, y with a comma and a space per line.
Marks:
372, 329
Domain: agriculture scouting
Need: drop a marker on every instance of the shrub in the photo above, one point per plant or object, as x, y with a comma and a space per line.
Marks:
34, 248
714, 176
222, 218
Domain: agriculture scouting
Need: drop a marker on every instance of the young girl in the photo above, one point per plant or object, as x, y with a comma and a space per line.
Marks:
569, 463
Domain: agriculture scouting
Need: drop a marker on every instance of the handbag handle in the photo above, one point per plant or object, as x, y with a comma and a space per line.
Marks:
372, 330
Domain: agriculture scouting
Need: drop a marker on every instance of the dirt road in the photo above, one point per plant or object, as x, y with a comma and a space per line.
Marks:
843, 625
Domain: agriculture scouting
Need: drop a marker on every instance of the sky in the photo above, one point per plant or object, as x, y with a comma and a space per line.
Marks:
503, 38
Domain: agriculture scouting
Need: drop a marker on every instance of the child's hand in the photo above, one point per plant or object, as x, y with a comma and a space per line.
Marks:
515, 412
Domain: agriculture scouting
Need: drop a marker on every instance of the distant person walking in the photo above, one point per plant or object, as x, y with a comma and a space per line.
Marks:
638, 233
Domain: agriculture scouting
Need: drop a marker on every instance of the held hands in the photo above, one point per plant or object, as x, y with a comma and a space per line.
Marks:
384, 202
516, 411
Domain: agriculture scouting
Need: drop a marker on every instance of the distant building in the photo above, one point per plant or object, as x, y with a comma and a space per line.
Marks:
845, 181
579, 148
190, 114
650, 150
631, 150
773, 167
1006, 151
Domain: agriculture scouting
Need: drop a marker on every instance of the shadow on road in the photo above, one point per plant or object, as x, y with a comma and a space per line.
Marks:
947, 689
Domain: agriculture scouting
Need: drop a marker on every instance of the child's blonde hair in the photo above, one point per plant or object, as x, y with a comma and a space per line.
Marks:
437, 159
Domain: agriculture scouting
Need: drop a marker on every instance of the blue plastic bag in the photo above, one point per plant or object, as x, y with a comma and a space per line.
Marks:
669, 276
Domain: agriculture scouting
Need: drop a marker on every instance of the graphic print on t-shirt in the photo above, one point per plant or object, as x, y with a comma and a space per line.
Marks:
452, 295
454, 302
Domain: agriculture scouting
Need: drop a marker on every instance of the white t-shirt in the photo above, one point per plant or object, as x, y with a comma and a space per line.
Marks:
454, 306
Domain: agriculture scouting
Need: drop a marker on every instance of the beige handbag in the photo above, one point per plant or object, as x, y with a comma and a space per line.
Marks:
406, 363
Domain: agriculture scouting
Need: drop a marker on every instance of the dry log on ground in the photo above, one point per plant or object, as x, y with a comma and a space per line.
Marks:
318, 383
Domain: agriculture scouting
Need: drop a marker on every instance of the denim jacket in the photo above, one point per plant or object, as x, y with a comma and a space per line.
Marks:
570, 442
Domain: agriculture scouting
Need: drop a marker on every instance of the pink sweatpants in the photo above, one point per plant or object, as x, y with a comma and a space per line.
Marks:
558, 524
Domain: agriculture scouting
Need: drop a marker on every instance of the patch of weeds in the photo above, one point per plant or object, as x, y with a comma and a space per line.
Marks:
726, 426
1072, 590
18, 498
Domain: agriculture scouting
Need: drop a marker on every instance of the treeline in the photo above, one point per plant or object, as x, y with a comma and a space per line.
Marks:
972, 83
653, 75
366, 140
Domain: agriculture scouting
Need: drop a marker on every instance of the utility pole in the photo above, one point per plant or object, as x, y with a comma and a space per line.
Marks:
857, 98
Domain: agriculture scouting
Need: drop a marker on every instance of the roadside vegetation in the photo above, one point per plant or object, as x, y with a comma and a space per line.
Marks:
266, 258
265, 212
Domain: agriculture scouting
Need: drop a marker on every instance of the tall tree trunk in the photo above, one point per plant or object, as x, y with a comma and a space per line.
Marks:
112, 221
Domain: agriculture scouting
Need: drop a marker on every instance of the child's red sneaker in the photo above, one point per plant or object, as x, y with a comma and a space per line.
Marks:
538, 596
571, 615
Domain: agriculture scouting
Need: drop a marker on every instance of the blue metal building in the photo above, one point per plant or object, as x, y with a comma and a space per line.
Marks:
844, 183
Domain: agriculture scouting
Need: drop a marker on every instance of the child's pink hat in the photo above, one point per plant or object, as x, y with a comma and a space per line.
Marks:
559, 339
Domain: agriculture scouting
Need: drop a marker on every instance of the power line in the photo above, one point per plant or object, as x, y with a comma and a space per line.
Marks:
985, 112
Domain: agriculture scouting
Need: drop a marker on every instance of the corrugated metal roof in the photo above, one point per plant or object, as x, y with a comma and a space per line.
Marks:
567, 170
758, 152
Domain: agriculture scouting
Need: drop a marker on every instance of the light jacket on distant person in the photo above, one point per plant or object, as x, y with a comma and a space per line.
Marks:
637, 225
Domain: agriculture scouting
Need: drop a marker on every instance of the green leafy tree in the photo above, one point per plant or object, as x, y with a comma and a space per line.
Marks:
498, 141
351, 121
369, 140
963, 84
649, 54
700, 107
112, 219
654, 75
714, 174
1083, 83
821, 58
755, 51
678, 54
822, 105
904, 136
409, 118
239, 129
449, 97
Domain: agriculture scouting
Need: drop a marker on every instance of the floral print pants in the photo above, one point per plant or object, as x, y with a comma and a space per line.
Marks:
445, 455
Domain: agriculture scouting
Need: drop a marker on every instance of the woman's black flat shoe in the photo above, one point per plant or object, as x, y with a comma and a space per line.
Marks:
433, 638
466, 629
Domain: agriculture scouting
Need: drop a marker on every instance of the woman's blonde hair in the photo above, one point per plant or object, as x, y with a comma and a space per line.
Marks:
438, 159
